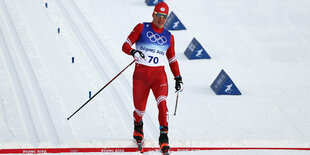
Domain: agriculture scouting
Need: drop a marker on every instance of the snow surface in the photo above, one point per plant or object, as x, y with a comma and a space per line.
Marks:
262, 45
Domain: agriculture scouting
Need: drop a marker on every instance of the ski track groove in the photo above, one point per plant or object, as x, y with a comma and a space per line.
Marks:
44, 128
2, 111
114, 65
20, 96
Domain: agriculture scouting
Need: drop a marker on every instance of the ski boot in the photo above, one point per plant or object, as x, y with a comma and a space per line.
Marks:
138, 134
163, 140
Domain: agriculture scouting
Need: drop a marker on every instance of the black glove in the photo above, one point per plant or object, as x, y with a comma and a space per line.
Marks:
178, 83
138, 55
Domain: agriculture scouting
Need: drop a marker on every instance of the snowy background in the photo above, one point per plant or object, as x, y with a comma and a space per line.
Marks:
262, 45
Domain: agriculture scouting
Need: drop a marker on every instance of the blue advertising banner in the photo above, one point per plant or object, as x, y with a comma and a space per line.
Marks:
152, 2
223, 85
173, 23
196, 51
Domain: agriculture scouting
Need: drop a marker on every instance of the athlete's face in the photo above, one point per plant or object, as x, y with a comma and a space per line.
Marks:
159, 20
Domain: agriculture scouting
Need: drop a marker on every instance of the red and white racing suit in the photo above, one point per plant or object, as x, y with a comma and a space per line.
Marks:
157, 44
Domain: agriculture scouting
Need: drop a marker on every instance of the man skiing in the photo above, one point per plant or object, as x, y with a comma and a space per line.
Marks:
154, 46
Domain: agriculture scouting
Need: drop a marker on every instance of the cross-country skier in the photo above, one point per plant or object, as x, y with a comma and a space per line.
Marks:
154, 46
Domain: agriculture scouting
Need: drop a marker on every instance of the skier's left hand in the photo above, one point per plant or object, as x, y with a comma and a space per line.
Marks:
178, 83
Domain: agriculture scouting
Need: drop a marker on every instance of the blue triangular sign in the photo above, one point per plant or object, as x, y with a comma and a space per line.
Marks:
195, 51
223, 85
152, 2
173, 23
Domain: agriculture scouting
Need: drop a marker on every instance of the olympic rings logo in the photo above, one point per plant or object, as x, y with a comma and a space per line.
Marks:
156, 38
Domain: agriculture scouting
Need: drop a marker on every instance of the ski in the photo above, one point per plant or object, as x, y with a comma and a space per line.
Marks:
165, 153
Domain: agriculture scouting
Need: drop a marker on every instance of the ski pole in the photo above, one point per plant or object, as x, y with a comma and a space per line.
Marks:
101, 90
176, 103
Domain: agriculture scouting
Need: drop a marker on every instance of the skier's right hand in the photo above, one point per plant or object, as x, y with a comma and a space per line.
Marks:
137, 55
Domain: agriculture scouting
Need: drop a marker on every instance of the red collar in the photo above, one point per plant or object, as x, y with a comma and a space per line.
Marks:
157, 29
